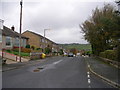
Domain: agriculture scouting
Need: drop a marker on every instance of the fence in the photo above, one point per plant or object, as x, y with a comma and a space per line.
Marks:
11, 56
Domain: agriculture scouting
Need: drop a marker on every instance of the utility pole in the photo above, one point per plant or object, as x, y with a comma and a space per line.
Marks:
20, 30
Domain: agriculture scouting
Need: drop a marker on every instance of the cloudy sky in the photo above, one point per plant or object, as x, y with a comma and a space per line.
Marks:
62, 17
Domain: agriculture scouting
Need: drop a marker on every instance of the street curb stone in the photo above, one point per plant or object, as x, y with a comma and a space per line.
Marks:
114, 84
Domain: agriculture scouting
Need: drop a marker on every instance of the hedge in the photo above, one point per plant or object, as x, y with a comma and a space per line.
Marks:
109, 54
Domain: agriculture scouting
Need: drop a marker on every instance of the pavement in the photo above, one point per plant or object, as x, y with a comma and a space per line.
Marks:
107, 71
11, 64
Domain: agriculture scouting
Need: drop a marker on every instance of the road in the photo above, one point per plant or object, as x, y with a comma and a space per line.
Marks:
56, 72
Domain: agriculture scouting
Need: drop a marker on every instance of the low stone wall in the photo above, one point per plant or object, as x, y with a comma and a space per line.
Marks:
35, 55
112, 62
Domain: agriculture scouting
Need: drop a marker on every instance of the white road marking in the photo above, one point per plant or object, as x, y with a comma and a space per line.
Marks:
89, 86
88, 72
88, 76
89, 81
57, 62
88, 65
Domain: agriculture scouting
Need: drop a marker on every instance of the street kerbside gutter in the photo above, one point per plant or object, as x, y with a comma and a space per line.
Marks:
114, 84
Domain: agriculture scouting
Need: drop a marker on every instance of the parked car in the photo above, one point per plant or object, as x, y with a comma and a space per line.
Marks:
65, 54
70, 55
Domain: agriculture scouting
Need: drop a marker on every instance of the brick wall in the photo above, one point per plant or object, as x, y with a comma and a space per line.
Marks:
33, 40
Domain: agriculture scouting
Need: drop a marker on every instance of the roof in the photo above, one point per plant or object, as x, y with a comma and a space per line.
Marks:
40, 36
8, 32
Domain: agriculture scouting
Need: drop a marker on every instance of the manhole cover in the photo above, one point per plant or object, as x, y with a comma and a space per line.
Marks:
37, 70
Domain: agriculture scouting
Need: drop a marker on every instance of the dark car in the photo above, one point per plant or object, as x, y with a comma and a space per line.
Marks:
70, 55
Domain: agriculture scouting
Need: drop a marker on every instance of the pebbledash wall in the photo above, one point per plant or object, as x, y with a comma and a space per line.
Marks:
10, 38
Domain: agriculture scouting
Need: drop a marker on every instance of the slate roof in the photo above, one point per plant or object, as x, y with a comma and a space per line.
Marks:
8, 32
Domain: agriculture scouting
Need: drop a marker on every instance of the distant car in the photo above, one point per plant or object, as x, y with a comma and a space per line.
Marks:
65, 54
70, 55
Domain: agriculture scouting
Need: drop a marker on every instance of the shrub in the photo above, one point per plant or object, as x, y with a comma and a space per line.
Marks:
15, 49
88, 52
110, 54
26, 50
102, 54
38, 48
33, 47
8, 51
47, 50
27, 46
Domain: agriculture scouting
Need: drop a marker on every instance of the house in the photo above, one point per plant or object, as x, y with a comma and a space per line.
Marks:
37, 41
1, 27
10, 38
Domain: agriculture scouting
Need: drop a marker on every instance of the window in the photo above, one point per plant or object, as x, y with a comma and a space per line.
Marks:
24, 42
8, 41
16, 42
45, 41
42, 40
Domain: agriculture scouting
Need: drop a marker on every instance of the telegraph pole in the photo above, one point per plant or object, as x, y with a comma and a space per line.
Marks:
20, 30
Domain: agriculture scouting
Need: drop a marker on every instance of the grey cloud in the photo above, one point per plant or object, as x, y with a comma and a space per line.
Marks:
61, 16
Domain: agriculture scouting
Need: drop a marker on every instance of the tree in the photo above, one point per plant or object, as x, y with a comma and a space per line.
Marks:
102, 29
61, 51
47, 50
73, 50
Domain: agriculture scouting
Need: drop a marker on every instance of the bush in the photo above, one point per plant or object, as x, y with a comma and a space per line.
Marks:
27, 46
88, 52
47, 50
38, 48
33, 47
9, 51
15, 49
26, 50
110, 54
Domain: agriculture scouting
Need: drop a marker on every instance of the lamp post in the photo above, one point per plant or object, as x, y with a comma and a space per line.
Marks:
20, 30
44, 40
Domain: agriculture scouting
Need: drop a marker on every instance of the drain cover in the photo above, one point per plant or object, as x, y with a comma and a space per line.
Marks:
36, 70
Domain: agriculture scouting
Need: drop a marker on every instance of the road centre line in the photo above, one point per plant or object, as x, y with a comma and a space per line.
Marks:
58, 61
88, 72
89, 81
88, 76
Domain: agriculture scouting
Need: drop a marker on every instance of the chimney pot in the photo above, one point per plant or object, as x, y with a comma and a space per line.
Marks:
13, 28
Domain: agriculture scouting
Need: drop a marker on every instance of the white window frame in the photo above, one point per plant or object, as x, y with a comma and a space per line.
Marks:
24, 42
10, 41
15, 41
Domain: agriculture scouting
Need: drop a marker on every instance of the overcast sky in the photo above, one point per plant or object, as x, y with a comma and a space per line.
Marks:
61, 16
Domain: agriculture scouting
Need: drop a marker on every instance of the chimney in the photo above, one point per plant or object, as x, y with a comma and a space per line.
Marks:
13, 28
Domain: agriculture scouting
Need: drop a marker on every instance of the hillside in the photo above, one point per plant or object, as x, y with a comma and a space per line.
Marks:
77, 46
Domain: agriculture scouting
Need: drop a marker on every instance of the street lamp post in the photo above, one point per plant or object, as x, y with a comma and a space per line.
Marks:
20, 30
44, 40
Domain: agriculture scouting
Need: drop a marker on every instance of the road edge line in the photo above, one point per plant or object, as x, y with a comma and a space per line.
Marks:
114, 84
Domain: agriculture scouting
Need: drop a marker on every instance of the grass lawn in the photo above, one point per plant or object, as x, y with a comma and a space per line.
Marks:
17, 53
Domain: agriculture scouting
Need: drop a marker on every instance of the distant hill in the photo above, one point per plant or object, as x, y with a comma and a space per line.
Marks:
77, 46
